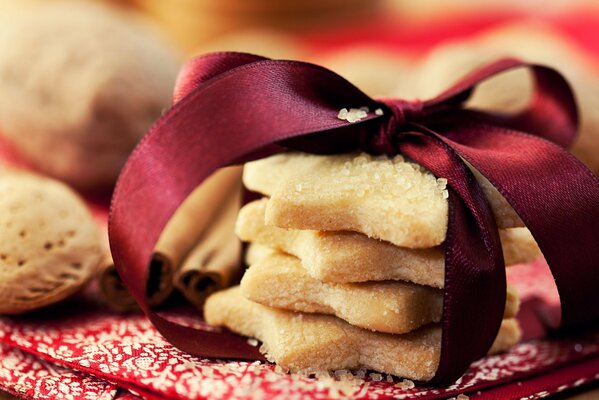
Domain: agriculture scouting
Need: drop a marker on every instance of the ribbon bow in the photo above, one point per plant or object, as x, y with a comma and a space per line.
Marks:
234, 107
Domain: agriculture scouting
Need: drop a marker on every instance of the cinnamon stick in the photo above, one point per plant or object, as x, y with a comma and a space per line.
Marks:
113, 290
213, 262
181, 233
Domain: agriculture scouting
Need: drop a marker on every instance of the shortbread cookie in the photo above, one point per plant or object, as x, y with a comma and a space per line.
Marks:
50, 247
388, 199
256, 252
353, 257
393, 200
519, 246
280, 281
312, 342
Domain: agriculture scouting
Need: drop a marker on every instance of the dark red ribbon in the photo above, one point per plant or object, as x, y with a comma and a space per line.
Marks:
232, 107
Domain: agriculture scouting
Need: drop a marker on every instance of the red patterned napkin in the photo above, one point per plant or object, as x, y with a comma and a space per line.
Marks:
80, 350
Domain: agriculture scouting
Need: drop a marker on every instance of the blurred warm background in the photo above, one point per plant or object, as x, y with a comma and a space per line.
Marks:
81, 81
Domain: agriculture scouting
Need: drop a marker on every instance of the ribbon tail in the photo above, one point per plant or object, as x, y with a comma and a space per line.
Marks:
475, 285
556, 197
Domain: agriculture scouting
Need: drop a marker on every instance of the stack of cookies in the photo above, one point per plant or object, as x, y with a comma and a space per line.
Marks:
346, 265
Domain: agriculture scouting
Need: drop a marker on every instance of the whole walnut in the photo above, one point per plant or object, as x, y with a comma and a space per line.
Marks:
80, 84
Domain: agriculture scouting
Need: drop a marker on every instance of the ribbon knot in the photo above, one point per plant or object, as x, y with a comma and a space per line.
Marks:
401, 113
234, 107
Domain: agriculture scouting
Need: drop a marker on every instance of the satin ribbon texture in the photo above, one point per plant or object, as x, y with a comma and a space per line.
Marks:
233, 107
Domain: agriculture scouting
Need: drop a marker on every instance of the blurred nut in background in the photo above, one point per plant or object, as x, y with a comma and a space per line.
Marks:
50, 245
81, 83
